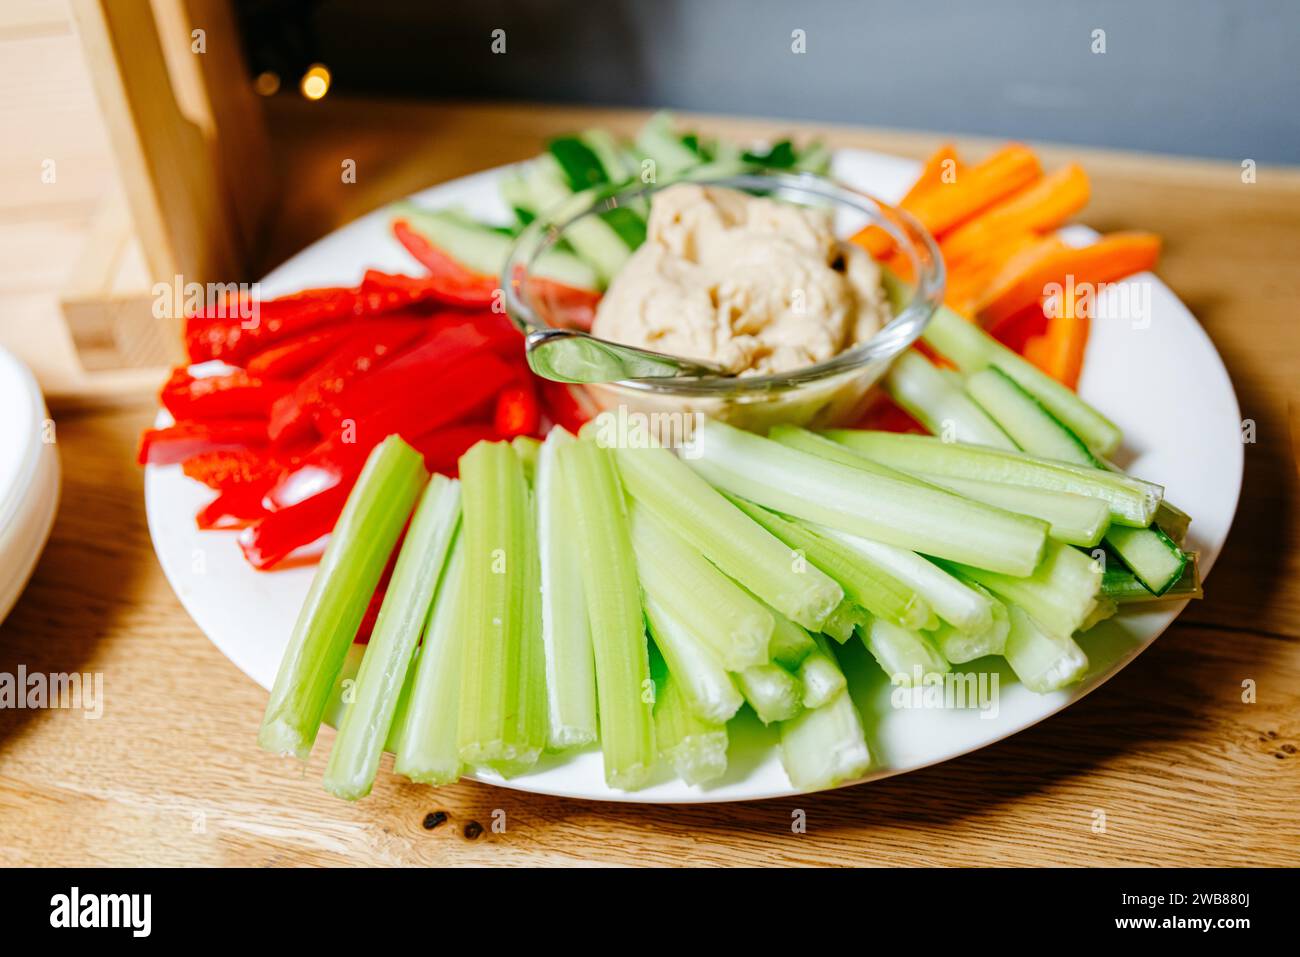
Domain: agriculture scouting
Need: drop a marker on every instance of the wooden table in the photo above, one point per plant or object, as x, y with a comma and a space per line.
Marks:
1185, 772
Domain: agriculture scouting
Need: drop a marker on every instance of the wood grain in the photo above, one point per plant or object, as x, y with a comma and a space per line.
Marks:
1184, 771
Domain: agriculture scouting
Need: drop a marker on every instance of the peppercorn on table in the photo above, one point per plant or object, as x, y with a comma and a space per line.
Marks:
1187, 757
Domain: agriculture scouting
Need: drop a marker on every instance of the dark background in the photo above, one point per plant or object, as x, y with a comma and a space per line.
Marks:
1201, 77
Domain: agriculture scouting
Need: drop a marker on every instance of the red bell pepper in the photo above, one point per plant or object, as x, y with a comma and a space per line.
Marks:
234, 395
222, 469
181, 441
295, 356
442, 448
451, 340
517, 410
383, 292
437, 401
271, 540
434, 259
234, 339
332, 461
369, 347
562, 406
237, 507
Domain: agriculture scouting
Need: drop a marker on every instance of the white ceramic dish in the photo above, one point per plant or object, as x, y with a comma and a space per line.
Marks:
1164, 384
29, 478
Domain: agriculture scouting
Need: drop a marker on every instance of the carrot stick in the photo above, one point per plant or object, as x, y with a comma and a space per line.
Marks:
1109, 259
1039, 207
942, 162
974, 189
1059, 352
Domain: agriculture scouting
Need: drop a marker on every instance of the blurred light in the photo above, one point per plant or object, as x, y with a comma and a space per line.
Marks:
315, 82
267, 83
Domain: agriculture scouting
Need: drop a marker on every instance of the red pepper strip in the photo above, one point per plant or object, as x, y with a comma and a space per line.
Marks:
451, 341
234, 395
885, 416
442, 448
382, 292
562, 406
227, 468
437, 401
181, 441
517, 412
294, 357
237, 507
234, 339
275, 537
370, 346
330, 462
438, 262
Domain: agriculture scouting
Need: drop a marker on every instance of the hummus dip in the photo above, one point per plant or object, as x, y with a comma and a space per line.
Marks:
751, 284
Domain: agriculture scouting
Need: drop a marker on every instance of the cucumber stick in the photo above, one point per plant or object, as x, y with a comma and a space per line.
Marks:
1152, 555
484, 250
354, 759
593, 238
624, 691
904, 513
973, 349
940, 405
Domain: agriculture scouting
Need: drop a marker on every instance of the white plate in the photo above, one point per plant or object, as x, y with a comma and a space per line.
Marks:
29, 478
1165, 385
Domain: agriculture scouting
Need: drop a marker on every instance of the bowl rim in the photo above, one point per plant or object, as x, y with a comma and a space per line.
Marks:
909, 236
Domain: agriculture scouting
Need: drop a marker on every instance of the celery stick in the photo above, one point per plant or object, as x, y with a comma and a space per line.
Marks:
363, 538
841, 622
566, 636
773, 693
973, 349
354, 759
1106, 607
734, 623
906, 656
825, 746
428, 751
790, 643
939, 405
701, 679
496, 520
393, 741
525, 730
820, 679
864, 582
961, 646
696, 748
1061, 593
905, 513
952, 599
1131, 501
624, 692
528, 449
1043, 661
740, 548
1072, 518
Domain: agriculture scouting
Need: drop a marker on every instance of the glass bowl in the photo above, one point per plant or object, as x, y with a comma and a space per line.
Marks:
828, 393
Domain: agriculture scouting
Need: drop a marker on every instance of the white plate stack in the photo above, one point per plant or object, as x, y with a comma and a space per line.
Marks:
29, 478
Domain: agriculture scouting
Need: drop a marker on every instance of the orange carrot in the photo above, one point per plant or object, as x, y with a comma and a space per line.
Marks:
939, 169
974, 189
1109, 259
1039, 207
1060, 351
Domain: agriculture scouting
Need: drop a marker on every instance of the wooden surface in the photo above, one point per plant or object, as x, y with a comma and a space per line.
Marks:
1184, 771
